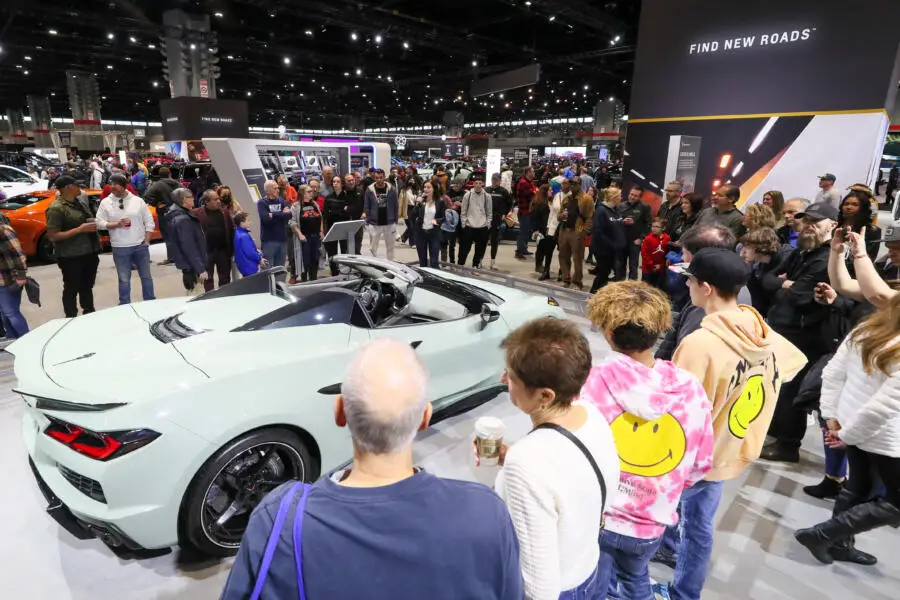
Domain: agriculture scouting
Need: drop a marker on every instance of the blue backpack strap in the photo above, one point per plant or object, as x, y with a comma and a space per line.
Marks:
273, 540
298, 540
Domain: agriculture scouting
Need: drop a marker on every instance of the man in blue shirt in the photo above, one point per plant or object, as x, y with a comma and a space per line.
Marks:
274, 213
383, 529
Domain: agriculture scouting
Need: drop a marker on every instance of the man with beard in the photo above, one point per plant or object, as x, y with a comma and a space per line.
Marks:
797, 316
671, 206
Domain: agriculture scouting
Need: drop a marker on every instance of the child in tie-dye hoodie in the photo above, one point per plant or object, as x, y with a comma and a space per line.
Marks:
661, 420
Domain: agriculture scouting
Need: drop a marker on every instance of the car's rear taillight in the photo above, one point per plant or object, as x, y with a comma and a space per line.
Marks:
98, 445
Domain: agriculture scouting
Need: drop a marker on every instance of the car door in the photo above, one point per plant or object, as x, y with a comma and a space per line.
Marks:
14, 182
459, 354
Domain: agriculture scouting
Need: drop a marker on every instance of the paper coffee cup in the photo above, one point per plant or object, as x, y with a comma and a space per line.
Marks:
488, 440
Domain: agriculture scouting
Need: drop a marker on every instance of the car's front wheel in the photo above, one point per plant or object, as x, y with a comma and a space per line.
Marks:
233, 481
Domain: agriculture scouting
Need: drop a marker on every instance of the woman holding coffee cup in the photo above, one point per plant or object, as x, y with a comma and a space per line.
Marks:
555, 480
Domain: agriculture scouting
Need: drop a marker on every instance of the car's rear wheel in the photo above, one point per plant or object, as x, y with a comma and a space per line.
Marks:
233, 481
45, 249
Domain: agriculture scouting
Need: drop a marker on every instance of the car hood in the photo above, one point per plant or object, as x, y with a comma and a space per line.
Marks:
216, 314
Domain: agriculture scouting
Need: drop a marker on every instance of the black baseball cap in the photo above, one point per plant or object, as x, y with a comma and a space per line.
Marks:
891, 234
723, 269
118, 179
819, 211
64, 180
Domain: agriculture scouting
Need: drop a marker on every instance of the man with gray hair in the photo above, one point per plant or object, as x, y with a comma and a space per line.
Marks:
186, 244
400, 532
671, 204
274, 213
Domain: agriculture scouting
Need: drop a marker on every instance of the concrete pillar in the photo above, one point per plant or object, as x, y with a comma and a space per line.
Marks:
41, 123
608, 115
84, 99
16, 121
191, 54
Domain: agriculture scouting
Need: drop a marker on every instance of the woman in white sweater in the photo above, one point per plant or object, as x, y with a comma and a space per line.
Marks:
551, 479
860, 401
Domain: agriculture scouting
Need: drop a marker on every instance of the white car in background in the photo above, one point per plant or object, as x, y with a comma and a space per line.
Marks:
172, 425
14, 182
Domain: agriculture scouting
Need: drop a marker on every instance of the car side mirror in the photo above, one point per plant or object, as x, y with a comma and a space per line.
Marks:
489, 314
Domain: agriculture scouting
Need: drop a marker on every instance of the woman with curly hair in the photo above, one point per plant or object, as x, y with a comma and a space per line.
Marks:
857, 214
759, 216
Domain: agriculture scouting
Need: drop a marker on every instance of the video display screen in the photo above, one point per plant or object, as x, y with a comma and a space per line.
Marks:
300, 165
767, 56
189, 118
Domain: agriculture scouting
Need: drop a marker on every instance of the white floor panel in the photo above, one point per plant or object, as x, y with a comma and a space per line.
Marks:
755, 556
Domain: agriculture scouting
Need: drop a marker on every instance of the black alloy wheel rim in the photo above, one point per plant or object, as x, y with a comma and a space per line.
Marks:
242, 484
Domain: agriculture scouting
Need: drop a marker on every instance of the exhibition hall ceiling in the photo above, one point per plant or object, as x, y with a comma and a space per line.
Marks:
321, 63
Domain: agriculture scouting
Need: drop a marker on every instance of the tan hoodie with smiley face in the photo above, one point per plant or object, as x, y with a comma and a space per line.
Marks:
741, 363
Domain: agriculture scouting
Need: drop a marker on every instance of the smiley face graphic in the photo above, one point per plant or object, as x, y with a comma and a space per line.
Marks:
648, 448
747, 407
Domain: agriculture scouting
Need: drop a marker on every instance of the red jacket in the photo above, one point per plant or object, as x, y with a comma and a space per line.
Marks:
653, 252
525, 192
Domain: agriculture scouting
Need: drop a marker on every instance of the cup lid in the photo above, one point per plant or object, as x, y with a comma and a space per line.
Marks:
489, 427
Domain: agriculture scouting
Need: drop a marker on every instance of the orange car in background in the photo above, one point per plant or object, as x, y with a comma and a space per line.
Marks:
27, 215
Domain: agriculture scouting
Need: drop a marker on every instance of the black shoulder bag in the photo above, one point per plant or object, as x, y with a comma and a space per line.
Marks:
587, 454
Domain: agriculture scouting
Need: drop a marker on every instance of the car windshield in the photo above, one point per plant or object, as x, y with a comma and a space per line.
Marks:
470, 296
15, 202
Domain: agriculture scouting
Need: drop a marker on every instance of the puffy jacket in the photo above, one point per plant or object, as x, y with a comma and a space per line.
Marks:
186, 243
246, 254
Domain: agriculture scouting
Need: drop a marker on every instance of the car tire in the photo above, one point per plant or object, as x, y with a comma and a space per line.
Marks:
193, 526
45, 250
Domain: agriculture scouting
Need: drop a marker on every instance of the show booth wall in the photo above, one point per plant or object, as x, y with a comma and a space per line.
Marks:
245, 165
764, 95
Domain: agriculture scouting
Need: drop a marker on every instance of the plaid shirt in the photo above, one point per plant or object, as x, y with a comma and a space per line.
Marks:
12, 259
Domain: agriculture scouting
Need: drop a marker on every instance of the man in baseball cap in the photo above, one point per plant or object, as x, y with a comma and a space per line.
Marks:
819, 211
742, 364
888, 266
827, 193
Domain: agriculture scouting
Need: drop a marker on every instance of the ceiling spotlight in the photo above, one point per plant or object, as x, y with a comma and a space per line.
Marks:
249, 93
308, 32
52, 31
287, 60
110, 36
406, 45
359, 71
378, 39
193, 46
109, 67
527, 2
617, 38
132, 39
230, 57
552, 18
218, 15
27, 58
610, 98
25, 71
389, 78
586, 86
151, 46
474, 63
353, 36
52, 93
346, 74
612, 42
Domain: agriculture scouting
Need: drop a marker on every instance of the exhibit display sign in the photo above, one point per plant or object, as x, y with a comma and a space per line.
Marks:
187, 118
568, 151
453, 149
728, 93
494, 160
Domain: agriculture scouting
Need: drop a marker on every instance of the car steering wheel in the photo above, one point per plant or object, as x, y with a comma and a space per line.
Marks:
371, 294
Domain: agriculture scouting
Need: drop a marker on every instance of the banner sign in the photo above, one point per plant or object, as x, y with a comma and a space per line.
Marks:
189, 118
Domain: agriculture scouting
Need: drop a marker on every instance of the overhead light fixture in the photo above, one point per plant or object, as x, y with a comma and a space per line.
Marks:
586, 86
132, 39
249, 93
406, 45
52, 31
52, 93
359, 71
353, 36
617, 38
230, 57
25, 71
552, 18
611, 98
151, 46
346, 73
474, 63
612, 42
27, 58
725, 161
155, 84
308, 32
109, 67
193, 46
218, 14
287, 60
110, 36
378, 39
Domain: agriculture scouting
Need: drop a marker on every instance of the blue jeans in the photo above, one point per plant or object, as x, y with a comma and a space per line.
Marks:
835, 462
139, 256
13, 321
524, 234
624, 564
274, 252
591, 589
694, 546
428, 245
309, 250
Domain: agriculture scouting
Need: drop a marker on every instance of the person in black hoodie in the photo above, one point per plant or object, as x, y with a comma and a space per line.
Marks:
763, 251
159, 196
336, 211
355, 208
796, 315
608, 239
635, 216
